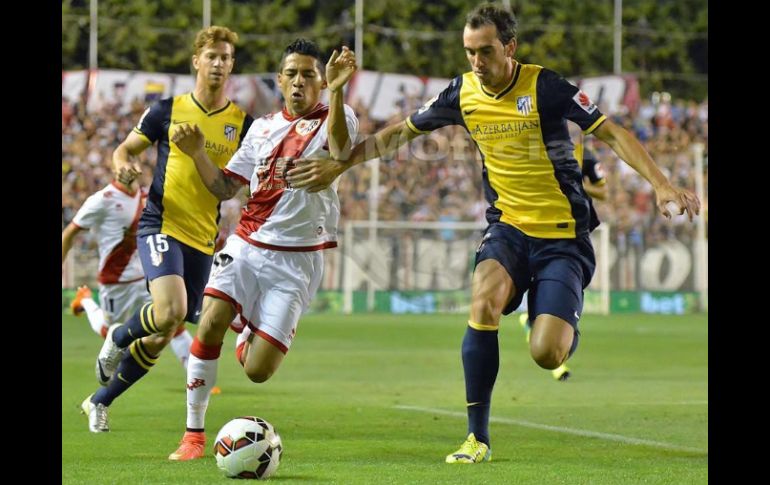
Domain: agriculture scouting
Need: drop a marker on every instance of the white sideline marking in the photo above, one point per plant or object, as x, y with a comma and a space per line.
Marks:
559, 429
634, 403
675, 403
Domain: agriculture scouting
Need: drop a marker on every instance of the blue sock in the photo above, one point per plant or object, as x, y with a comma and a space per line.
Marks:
138, 326
135, 364
481, 360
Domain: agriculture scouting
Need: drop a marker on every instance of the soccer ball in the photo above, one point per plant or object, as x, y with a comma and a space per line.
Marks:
248, 447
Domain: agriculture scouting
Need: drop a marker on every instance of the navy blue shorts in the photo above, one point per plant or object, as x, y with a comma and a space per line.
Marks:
163, 255
554, 271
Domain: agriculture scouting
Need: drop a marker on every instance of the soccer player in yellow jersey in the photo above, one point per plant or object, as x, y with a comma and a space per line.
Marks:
539, 215
178, 227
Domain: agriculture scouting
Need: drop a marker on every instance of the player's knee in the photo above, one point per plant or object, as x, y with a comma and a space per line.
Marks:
212, 322
484, 310
548, 356
168, 316
259, 375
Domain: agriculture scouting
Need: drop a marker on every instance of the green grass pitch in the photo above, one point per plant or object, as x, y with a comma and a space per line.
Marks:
379, 399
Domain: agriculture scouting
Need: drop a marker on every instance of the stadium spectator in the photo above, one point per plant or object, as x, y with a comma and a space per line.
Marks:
539, 215
177, 229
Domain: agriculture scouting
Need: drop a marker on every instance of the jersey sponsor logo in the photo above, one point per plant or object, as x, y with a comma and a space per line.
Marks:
231, 132
496, 131
218, 149
582, 100
427, 105
306, 127
524, 104
272, 176
196, 383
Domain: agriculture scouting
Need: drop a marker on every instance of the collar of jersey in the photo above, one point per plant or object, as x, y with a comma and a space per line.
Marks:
514, 78
209, 113
312, 114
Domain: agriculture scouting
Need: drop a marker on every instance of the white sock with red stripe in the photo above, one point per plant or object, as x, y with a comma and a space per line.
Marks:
94, 313
201, 378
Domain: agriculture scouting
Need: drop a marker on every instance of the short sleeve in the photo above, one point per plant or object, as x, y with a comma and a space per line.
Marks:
154, 121
442, 110
558, 98
91, 213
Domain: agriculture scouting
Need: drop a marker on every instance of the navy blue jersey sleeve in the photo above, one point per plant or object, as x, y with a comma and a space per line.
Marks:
558, 98
443, 110
247, 121
155, 121
592, 167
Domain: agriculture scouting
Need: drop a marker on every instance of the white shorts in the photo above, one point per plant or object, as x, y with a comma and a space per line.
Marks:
120, 301
269, 289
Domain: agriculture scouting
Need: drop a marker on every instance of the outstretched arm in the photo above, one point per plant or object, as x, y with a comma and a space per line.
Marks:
316, 175
67, 237
190, 139
633, 153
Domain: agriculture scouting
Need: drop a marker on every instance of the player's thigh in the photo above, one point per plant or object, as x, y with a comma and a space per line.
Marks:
563, 268
197, 268
491, 290
163, 264
262, 358
555, 306
501, 275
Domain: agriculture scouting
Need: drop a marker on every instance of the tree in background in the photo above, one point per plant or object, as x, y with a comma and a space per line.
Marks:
665, 42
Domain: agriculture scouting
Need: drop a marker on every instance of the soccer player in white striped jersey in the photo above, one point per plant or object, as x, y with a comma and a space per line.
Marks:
112, 214
270, 269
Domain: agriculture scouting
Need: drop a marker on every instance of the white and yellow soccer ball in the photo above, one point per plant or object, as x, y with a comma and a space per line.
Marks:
248, 447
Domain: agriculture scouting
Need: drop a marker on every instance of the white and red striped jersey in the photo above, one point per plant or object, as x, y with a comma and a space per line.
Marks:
277, 216
113, 216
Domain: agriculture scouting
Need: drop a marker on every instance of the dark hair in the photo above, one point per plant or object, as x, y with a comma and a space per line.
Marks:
494, 14
306, 48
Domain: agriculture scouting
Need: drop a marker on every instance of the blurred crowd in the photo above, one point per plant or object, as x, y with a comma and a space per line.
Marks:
436, 177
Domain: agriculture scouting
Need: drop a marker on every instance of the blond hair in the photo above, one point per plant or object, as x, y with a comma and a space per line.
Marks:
212, 35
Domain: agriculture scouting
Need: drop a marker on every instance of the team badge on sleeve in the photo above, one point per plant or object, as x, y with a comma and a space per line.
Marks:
230, 132
427, 104
582, 100
141, 119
